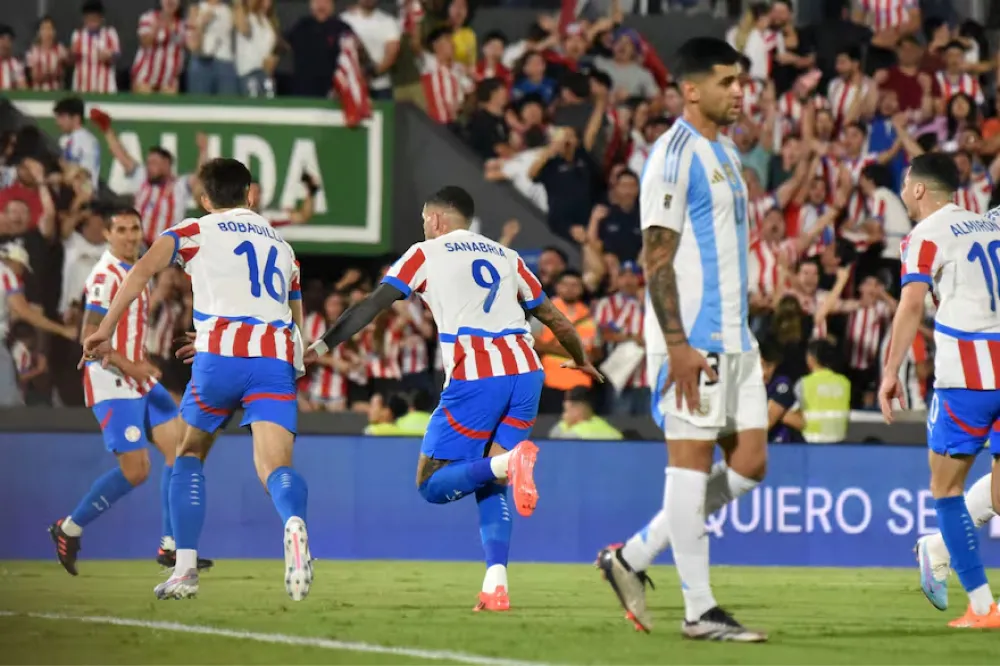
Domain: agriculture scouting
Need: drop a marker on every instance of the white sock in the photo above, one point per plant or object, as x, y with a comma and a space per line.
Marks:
684, 504
187, 559
979, 503
496, 576
724, 485
981, 599
71, 528
499, 465
167, 543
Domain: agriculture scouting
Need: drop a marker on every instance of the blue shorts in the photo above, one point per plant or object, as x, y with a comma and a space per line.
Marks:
474, 413
264, 387
126, 422
960, 422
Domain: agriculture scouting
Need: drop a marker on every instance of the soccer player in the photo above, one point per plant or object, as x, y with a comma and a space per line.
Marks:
476, 442
248, 317
954, 252
709, 386
125, 396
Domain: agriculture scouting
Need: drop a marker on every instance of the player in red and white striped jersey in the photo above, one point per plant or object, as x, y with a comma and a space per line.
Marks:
47, 58
953, 79
11, 68
445, 82
124, 393
94, 47
248, 352
953, 252
160, 57
478, 292
852, 95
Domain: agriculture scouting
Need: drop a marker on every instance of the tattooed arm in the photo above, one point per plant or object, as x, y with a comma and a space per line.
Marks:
563, 329
660, 247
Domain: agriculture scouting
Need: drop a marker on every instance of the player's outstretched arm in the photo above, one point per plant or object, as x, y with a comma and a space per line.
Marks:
566, 334
905, 326
357, 317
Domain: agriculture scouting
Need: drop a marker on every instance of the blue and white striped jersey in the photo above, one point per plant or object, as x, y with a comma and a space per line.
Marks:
695, 187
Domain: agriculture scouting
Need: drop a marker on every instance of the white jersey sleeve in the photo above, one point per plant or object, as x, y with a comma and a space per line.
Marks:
187, 241
663, 196
409, 273
529, 287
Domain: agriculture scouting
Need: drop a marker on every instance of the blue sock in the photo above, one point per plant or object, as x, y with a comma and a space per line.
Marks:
959, 534
107, 489
288, 492
457, 480
166, 530
187, 502
494, 523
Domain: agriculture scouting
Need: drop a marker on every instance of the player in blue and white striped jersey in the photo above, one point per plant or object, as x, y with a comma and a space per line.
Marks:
709, 387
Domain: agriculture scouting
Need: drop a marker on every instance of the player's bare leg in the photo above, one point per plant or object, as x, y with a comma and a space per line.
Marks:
187, 513
948, 474
272, 457
167, 437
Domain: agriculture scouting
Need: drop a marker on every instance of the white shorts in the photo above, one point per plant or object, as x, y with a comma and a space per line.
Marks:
735, 403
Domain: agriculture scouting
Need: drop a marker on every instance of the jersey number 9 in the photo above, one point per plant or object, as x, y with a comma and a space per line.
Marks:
271, 272
490, 281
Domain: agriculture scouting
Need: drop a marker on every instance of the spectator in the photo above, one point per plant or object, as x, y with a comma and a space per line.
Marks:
558, 380
95, 49
47, 58
889, 22
27, 202
579, 421
417, 326
953, 79
11, 68
516, 167
824, 398
83, 245
488, 132
628, 77
566, 171
552, 262
915, 89
754, 38
315, 41
170, 314
616, 225
869, 321
463, 38
400, 416
491, 65
78, 145
380, 35
780, 396
32, 365
328, 382
160, 57
210, 40
673, 102
619, 317
852, 95
445, 82
531, 79
887, 210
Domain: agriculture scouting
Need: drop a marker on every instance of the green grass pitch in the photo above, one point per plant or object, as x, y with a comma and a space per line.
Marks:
562, 614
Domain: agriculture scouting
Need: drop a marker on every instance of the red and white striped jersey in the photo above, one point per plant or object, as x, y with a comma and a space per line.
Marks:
856, 212
764, 260
326, 385
24, 360
129, 338
914, 390
485, 70
974, 195
12, 74
951, 250
810, 306
809, 215
445, 87
382, 360
313, 327
887, 14
842, 94
475, 289
243, 277
159, 65
92, 74
759, 208
47, 66
963, 83
165, 318
10, 283
623, 314
886, 208
752, 91
865, 328
413, 357
162, 205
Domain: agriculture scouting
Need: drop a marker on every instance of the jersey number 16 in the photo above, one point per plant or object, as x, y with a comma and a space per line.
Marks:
271, 271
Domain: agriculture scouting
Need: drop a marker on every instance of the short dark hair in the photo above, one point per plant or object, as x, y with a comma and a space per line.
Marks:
569, 273
852, 51
578, 394
226, 182
558, 251
6, 31
162, 152
936, 168
110, 212
397, 405
908, 39
771, 351
495, 34
954, 44
878, 174
421, 401
700, 55
92, 7
69, 106
823, 351
627, 173
860, 126
578, 84
486, 89
455, 198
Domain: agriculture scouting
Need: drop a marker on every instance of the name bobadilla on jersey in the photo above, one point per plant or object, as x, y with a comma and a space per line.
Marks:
248, 228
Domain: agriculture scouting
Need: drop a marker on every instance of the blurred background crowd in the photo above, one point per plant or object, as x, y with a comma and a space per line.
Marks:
567, 113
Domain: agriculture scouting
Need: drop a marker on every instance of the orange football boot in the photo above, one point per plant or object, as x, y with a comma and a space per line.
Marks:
972, 621
493, 601
521, 477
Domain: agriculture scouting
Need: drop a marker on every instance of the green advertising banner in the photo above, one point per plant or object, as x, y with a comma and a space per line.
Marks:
278, 140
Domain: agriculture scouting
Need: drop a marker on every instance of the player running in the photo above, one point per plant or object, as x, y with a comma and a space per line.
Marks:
954, 252
248, 314
476, 442
128, 401
709, 384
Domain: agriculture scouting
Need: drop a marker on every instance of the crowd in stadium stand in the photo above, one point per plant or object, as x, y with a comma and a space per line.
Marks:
567, 113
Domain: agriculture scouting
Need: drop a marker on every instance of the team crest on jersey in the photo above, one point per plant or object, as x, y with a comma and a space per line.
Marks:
667, 198
717, 177
99, 278
730, 174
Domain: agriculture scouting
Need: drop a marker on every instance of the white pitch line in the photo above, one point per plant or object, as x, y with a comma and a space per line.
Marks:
282, 639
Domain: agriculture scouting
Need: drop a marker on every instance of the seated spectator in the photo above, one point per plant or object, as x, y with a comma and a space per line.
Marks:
628, 77
487, 130
160, 57
11, 68
95, 48
531, 79
579, 421
47, 58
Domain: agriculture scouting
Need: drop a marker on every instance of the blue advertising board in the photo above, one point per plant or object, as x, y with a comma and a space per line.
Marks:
840, 505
